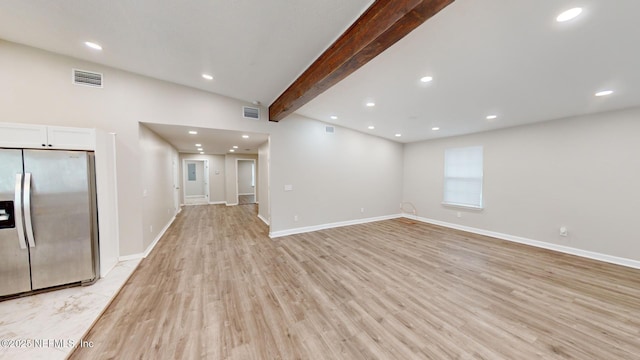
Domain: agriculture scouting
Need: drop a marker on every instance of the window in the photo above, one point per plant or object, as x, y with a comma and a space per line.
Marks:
463, 177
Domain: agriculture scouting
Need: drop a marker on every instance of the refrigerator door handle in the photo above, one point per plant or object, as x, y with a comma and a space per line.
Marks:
27, 209
17, 210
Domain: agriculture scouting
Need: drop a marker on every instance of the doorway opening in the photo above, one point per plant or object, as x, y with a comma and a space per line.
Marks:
196, 182
246, 181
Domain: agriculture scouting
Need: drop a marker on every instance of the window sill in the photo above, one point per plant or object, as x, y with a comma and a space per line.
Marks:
462, 206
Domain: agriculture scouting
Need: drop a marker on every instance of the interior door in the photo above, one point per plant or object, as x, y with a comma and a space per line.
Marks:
61, 217
14, 256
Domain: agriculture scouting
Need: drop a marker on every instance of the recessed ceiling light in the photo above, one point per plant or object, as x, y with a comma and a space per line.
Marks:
371, 104
371, 127
207, 76
604, 93
245, 136
491, 117
333, 117
93, 45
200, 149
435, 128
235, 146
398, 135
192, 132
231, 150
569, 14
201, 152
426, 79
198, 145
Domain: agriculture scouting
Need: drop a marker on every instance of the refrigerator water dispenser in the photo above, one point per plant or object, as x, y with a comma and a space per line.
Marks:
7, 221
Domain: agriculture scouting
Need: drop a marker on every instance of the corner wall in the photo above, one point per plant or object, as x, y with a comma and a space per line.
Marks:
333, 175
156, 158
580, 172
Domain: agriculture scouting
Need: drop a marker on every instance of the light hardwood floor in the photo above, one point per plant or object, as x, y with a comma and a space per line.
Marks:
246, 199
217, 287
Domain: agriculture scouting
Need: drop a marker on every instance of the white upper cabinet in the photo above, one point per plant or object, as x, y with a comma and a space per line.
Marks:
22, 135
46, 137
71, 138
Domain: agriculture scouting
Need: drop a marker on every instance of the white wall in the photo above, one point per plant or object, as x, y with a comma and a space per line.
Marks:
262, 197
581, 173
156, 157
231, 178
36, 88
245, 177
107, 196
216, 175
333, 175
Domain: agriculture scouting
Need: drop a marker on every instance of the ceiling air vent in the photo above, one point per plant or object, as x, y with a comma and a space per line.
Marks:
250, 112
330, 129
87, 78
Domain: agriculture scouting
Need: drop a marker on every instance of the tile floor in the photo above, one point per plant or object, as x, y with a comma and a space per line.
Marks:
47, 326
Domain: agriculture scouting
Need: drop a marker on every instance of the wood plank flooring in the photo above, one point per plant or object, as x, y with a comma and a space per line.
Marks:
216, 287
246, 199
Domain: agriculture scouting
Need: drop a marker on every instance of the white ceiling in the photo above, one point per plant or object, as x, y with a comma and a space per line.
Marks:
509, 58
253, 48
213, 141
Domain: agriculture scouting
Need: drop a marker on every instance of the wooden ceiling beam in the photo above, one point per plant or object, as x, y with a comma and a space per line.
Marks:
382, 25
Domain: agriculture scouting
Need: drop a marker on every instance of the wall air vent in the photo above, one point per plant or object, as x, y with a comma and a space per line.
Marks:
87, 78
250, 113
330, 129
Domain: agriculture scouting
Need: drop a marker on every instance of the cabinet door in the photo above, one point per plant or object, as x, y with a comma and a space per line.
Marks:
70, 138
23, 136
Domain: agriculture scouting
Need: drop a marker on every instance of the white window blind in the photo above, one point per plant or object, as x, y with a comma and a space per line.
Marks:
463, 176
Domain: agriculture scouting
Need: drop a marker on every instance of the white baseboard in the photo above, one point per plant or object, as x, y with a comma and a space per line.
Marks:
106, 272
300, 230
150, 247
247, 194
160, 235
217, 202
234, 204
263, 219
540, 244
131, 257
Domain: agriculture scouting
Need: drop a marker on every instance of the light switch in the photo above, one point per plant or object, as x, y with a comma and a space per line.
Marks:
288, 187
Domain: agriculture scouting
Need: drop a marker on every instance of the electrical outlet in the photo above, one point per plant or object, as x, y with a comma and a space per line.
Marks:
564, 231
362, 210
459, 214
150, 228
295, 217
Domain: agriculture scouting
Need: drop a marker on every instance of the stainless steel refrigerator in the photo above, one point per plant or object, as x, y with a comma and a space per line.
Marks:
48, 220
